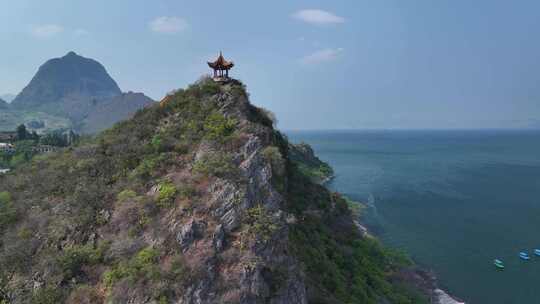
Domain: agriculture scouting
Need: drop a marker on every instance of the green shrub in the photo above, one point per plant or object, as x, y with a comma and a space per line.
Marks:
143, 266
85, 294
238, 91
187, 191
178, 270
157, 143
126, 195
355, 207
25, 233
273, 155
162, 143
217, 164
8, 213
47, 295
5, 197
166, 194
267, 117
110, 277
148, 166
209, 87
74, 258
260, 223
146, 257
218, 127
161, 300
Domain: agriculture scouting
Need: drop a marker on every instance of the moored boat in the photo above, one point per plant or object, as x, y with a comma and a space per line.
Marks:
537, 252
524, 256
498, 263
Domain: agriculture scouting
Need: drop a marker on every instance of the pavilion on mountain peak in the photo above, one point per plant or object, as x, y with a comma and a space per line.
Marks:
221, 68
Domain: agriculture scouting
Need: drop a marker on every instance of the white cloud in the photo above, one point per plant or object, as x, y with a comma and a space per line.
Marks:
46, 30
168, 25
81, 32
317, 16
321, 56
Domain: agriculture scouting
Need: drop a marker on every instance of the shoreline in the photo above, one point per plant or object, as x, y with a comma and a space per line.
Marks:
420, 277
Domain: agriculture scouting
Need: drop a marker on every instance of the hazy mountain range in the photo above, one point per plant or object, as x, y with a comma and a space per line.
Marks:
78, 89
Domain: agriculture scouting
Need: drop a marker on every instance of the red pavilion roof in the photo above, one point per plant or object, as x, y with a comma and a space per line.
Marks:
221, 63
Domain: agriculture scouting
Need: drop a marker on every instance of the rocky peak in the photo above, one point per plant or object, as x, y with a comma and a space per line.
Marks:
71, 76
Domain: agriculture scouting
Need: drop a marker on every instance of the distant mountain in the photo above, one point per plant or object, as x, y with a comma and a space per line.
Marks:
8, 97
81, 90
3, 104
67, 78
114, 109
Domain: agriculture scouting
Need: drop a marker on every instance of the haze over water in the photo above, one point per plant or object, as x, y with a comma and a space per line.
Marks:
454, 200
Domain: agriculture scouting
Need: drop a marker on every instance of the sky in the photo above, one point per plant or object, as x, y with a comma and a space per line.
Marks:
340, 64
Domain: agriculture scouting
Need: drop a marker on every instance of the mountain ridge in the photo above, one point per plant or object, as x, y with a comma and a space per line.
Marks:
194, 200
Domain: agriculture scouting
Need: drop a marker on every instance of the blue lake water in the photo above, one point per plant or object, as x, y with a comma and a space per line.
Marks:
454, 200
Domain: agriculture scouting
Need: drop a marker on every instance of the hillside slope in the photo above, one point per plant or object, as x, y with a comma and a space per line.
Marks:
194, 201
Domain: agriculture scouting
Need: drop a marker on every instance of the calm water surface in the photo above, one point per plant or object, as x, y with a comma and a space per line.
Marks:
454, 200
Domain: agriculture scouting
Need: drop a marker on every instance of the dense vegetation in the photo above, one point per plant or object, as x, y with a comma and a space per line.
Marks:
342, 267
91, 224
305, 160
26, 141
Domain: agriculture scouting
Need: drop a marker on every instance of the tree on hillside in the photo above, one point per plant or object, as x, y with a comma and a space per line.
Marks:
22, 133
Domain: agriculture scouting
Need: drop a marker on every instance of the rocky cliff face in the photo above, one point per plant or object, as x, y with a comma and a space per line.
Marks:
192, 201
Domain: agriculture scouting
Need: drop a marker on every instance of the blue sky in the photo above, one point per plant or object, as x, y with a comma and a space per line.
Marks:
337, 64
